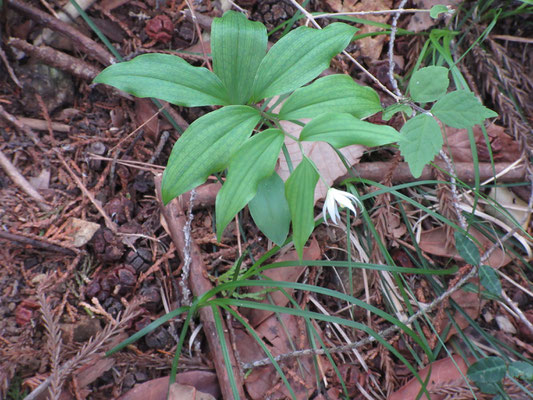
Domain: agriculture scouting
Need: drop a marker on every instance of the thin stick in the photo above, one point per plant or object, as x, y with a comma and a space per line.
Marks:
22, 183
109, 223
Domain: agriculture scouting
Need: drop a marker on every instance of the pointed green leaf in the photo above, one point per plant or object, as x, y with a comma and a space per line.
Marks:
429, 84
299, 190
333, 93
237, 46
437, 10
298, 57
340, 130
490, 280
387, 114
168, 78
522, 370
270, 210
467, 248
206, 147
254, 161
487, 370
421, 142
461, 109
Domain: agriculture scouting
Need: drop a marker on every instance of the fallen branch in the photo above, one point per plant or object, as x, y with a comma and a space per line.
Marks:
176, 220
86, 44
22, 183
57, 59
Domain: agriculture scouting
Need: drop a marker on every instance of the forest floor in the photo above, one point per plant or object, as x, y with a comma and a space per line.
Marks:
88, 258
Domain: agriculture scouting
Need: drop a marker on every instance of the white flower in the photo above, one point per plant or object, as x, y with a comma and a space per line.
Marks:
343, 199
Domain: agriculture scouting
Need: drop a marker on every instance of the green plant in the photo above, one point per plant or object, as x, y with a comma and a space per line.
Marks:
244, 76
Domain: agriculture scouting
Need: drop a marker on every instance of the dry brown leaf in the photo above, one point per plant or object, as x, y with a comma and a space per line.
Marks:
325, 158
503, 147
370, 46
433, 241
422, 21
156, 389
286, 274
442, 372
81, 231
178, 391
145, 112
265, 380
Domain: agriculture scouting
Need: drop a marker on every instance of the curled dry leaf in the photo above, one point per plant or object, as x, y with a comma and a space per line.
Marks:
503, 147
370, 46
443, 372
432, 242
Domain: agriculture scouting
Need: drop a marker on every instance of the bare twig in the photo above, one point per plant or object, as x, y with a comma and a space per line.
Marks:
37, 243
22, 183
394, 28
109, 223
89, 46
57, 59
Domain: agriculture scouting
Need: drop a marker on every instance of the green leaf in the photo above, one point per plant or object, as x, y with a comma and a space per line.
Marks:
467, 249
487, 370
254, 161
168, 78
429, 84
340, 130
522, 370
421, 142
299, 57
333, 93
206, 147
270, 210
437, 10
461, 109
237, 46
299, 190
387, 114
489, 280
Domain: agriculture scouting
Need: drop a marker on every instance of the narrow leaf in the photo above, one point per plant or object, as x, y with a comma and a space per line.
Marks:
421, 142
341, 130
254, 161
206, 147
522, 370
299, 57
461, 109
438, 9
299, 190
387, 114
467, 249
429, 84
333, 93
270, 210
168, 78
490, 280
487, 370
237, 46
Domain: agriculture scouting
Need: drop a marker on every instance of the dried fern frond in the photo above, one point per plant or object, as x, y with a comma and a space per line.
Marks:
90, 349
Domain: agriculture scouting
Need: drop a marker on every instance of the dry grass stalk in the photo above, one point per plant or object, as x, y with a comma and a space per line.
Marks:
458, 390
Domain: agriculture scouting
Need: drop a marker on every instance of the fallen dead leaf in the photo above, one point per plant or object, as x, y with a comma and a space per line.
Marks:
178, 391
156, 389
432, 241
443, 372
285, 274
503, 147
81, 231
423, 21
370, 46
42, 181
325, 158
